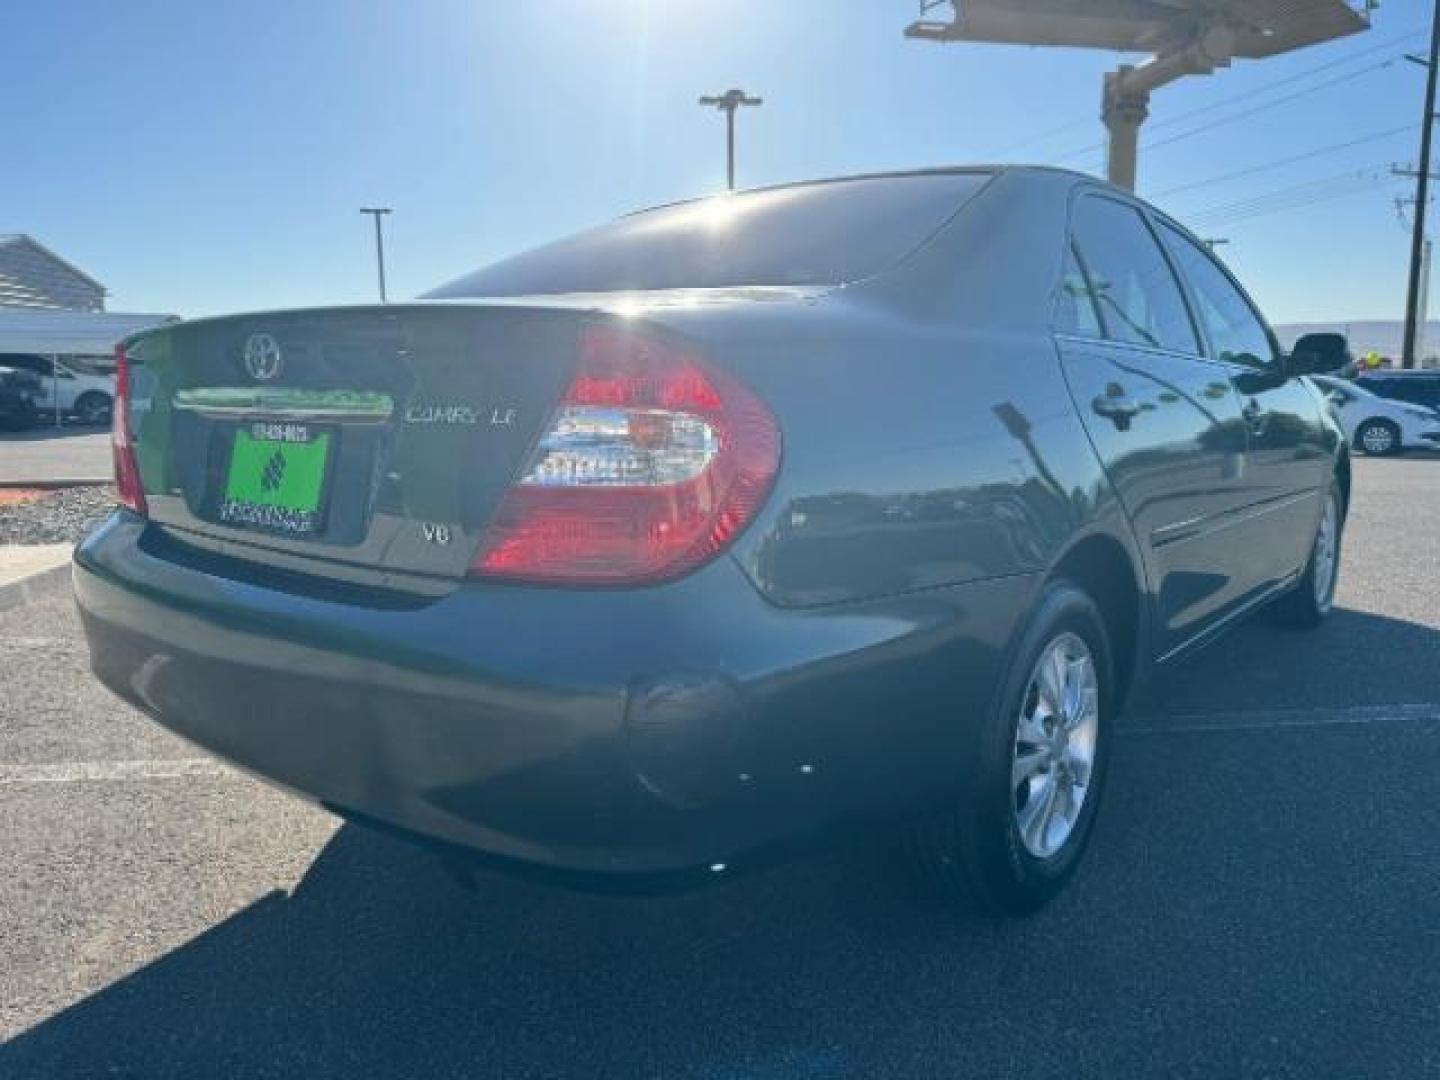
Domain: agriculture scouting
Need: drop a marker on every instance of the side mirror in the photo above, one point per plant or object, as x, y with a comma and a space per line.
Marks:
1320, 354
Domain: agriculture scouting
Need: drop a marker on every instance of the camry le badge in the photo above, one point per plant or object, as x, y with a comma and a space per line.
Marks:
262, 357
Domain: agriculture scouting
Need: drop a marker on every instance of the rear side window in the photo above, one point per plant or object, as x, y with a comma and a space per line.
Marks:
1076, 312
1418, 391
809, 234
1134, 289
38, 364
1236, 333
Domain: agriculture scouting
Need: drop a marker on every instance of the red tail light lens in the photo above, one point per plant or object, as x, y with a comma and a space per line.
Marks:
652, 464
127, 473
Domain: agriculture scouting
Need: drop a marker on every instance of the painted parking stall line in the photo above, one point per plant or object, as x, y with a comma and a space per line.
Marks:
74, 772
1280, 719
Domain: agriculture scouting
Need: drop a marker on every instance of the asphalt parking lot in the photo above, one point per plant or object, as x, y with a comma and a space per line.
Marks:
47, 453
1262, 898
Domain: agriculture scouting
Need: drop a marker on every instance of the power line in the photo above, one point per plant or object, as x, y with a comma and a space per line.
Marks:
1348, 76
1361, 189
1298, 76
1244, 114
1302, 189
1374, 136
1042, 136
1329, 65
1295, 196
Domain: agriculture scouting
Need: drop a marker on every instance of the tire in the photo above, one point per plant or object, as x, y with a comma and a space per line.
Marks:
1309, 603
1378, 438
978, 853
22, 419
93, 408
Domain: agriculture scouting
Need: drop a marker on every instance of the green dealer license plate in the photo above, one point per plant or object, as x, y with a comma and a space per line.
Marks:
276, 479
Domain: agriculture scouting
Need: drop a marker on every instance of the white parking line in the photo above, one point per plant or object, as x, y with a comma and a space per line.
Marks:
1279, 719
68, 644
72, 772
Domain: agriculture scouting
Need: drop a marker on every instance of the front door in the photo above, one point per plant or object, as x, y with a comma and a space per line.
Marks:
1288, 461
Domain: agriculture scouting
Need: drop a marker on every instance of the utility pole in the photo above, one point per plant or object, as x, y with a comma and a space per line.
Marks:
727, 103
1422, 194
377, 212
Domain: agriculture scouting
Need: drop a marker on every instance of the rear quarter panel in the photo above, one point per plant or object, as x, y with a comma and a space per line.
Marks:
917, 458
928, 435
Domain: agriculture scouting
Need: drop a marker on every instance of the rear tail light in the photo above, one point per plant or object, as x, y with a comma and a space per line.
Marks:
652, 464
127, 474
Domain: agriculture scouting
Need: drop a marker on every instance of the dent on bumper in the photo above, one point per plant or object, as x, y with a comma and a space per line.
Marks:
623, 732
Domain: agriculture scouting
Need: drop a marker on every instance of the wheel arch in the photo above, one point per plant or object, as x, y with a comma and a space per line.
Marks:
1342, 476
1106, 571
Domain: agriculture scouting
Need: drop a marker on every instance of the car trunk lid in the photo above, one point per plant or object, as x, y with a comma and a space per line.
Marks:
377, 437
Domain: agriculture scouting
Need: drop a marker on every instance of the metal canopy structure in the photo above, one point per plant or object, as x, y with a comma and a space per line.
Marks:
1183, 37
70, 333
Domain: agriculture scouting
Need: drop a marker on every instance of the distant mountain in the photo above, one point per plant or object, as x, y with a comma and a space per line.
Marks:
1384, 336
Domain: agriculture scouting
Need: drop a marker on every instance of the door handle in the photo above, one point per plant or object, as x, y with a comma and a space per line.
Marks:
1116, 406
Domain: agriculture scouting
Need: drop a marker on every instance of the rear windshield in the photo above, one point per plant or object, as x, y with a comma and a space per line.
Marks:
813, 234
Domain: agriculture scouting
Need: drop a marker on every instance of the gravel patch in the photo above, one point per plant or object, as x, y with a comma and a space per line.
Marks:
58, 517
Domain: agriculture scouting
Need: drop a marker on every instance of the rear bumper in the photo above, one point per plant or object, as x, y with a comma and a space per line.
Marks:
622, 732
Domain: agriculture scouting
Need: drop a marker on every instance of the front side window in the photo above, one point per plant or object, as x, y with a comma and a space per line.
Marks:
39, 365
1236, 333
1135, 290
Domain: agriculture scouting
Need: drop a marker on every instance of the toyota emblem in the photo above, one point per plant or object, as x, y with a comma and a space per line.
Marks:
262, 357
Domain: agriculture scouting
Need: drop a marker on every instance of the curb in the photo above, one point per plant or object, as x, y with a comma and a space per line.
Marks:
65, 482
27, 590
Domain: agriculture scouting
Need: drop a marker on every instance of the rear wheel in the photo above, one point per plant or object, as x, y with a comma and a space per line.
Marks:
1379, 438
22, 419
1036, 770
1310, 601
93, 408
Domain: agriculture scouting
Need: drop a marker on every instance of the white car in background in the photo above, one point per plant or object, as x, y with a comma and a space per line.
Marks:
1377, 425
85, 388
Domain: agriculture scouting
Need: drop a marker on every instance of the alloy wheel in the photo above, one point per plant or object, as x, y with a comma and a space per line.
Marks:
1326, 552
1055, 740
1377, 439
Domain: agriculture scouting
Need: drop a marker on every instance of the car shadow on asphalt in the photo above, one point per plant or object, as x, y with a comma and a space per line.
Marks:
1354, 659
379, 964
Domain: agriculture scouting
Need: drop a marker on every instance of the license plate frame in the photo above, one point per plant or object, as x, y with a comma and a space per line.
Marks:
275, 477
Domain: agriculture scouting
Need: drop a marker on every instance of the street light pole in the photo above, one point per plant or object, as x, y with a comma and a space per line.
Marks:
1422, 197
377, 212
727, 103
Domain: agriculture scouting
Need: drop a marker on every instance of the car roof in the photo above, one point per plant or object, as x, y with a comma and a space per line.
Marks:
895, 174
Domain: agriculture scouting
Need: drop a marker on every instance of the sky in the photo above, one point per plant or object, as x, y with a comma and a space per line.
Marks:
200, 158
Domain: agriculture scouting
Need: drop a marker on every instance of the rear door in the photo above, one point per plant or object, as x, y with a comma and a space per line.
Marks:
1165, 422
1288, 462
